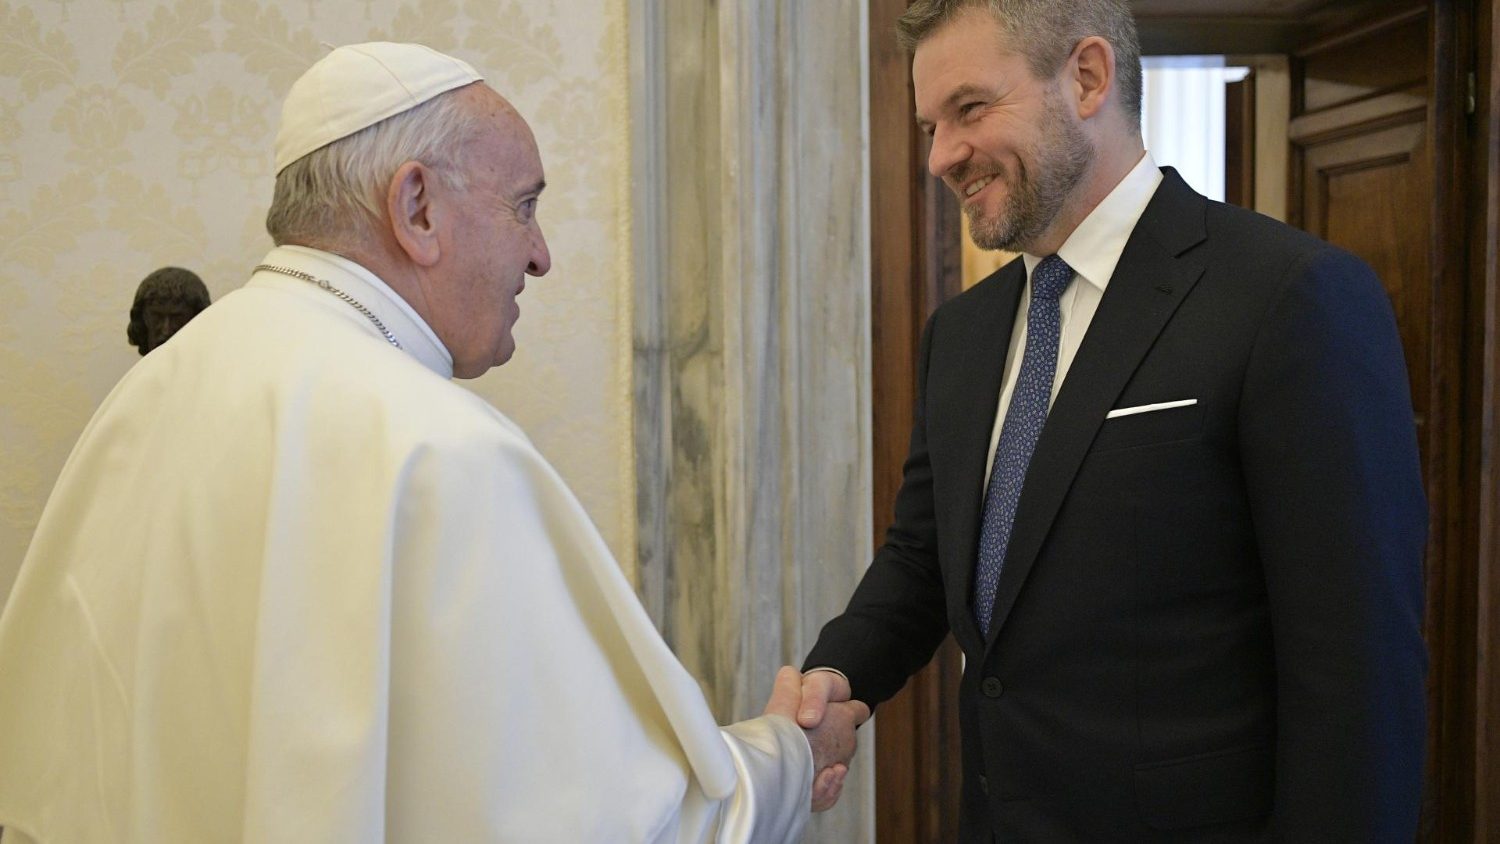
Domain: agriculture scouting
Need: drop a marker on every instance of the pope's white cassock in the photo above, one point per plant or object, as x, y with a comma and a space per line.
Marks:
294, 585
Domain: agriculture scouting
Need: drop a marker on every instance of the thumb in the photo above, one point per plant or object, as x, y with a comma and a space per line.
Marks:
786, 693
817, 688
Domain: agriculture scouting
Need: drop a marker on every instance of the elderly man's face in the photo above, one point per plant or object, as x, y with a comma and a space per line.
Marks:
495, 241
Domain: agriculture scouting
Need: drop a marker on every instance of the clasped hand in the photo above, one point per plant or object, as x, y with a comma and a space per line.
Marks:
828, 717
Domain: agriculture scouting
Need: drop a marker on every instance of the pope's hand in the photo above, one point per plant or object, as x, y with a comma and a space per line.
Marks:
831, 736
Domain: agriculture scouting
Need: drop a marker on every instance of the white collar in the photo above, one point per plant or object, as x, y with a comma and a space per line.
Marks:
415, 336
1094, 248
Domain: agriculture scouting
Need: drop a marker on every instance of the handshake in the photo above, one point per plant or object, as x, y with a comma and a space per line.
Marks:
818, 701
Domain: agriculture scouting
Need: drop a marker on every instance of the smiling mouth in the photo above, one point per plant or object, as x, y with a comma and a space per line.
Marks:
976, 187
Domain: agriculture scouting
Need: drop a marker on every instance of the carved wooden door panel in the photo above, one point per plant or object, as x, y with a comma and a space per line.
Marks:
1375, 119
1362, 170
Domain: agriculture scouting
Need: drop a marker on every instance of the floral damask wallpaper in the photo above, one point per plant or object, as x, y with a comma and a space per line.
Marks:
137, 133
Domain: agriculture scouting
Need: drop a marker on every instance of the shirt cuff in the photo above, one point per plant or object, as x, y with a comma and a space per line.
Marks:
830, 671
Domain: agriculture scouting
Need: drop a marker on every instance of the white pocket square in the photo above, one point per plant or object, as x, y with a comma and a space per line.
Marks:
1147, 408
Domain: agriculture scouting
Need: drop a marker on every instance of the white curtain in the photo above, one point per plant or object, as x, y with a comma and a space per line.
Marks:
1182, 116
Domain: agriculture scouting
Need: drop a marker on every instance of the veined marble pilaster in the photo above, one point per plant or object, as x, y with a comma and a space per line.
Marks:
752, 360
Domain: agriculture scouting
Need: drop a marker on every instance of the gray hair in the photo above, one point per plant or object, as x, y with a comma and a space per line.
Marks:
1045, 32
336, 192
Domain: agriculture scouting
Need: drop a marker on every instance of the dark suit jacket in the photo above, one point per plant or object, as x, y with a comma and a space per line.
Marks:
1208, 622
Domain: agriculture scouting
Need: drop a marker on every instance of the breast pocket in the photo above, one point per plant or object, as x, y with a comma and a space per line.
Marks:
1150, 427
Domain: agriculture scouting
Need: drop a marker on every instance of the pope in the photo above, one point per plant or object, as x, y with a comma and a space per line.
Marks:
294, 584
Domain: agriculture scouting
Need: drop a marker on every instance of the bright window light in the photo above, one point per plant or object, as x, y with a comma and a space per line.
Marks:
1182, 116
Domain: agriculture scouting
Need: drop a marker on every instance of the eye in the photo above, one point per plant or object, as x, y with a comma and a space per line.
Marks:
967, 109
528, 209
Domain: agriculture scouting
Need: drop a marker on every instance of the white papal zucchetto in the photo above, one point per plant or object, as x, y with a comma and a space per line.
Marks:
357, 86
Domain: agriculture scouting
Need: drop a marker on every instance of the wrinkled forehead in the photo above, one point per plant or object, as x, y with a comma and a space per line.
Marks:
505, 149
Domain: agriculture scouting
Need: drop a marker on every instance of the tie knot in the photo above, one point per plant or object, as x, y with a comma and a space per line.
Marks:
1050, 278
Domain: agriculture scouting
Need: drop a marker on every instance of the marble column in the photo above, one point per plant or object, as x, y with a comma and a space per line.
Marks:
752, 340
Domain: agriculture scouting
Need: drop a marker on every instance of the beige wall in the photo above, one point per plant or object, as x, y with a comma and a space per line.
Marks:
137, 133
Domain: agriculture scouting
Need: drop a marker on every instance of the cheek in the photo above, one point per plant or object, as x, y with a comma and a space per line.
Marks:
1005, 140
517, 247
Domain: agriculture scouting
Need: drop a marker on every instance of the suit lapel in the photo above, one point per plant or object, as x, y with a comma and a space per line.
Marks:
1148, 284
974, 363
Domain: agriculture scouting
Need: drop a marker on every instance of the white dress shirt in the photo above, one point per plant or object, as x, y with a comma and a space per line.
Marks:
1092, 250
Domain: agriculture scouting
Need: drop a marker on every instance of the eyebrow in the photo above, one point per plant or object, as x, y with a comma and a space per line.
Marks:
964, 91
536, 188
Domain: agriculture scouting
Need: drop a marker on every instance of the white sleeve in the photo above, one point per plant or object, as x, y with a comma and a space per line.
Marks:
533, 700
774, 797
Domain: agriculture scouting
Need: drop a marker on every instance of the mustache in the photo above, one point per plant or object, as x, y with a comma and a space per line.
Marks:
964, 172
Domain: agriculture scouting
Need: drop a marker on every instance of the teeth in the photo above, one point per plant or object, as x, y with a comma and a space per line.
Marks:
978, 186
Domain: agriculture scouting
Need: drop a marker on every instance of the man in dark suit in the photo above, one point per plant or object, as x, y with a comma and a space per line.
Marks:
1163, 484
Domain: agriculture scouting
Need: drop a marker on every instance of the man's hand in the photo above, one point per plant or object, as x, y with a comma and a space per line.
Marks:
831, 735
819, 689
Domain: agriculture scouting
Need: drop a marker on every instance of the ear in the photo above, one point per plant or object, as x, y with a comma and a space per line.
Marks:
1093, 75
409, 204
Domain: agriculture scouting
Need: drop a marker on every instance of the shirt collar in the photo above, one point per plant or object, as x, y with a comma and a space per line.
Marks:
1094, 248
415, 336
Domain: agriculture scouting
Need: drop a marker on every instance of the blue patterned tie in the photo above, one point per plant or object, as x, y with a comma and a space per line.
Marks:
1023, 425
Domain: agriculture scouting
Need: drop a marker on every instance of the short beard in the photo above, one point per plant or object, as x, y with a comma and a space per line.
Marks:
1061, 157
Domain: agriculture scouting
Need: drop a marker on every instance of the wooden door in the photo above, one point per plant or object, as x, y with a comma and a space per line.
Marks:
1482, 413
1374, 124
914, 227
1362, 170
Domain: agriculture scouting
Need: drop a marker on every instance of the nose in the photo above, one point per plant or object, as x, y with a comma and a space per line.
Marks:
541, 259
946, 152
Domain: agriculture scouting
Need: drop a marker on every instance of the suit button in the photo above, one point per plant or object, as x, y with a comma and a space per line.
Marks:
984, 784
991, 687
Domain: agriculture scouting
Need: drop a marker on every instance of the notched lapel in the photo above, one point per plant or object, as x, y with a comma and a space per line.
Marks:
972, 367
1148, 284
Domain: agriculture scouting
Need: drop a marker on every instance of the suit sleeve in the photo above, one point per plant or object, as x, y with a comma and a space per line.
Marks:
896, 618
1329, 453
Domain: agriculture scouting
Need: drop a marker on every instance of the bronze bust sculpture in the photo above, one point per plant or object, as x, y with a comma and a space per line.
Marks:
164, 302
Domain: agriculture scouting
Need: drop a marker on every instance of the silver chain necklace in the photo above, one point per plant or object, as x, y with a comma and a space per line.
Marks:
353, 302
